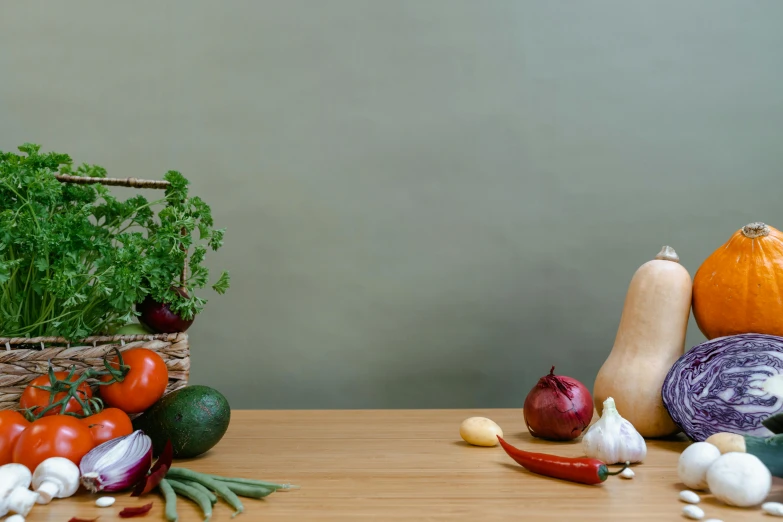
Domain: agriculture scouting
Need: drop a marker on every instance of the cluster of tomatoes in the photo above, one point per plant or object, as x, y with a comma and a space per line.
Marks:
71, 434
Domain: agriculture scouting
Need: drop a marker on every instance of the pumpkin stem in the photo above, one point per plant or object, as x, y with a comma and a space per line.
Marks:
754, 230
667, 253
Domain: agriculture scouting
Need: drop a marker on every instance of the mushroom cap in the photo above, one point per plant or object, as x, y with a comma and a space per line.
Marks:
13, 475
739, 479
694, 462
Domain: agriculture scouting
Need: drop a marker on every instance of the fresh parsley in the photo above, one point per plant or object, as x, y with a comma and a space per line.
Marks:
75, 260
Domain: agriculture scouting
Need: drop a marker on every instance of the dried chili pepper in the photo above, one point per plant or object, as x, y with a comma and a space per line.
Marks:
135, 511
583, 470
157, 473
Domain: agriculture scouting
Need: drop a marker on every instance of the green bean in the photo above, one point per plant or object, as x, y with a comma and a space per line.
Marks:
253, 482
211, 496
171, 500
246, 490
195, 495
218, 487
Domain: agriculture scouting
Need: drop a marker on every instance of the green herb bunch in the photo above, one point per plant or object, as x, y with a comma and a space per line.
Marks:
75, 260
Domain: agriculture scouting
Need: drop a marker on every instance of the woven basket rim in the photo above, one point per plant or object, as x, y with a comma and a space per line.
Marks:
92, 339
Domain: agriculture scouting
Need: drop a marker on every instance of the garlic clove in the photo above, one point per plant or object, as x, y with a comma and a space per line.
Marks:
690, 497
104, 501
693, 512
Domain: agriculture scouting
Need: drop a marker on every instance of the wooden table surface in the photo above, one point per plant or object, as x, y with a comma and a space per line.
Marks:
411, 465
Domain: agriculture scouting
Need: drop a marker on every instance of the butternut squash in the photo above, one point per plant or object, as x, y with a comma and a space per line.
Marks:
650, 338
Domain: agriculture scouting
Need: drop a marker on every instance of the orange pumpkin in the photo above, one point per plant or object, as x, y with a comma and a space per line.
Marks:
739, 287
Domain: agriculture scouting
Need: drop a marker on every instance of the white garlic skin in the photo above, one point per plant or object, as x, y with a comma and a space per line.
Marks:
613, 439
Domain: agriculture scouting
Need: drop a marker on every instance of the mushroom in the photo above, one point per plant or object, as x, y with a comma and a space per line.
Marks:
739, 479
55, 477
14, 495
21, 500
694, 462
12, 476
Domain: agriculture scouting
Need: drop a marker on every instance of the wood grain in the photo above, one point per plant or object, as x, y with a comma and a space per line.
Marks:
411, 465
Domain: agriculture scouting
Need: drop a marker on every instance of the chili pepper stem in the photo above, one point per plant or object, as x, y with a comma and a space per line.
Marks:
604, 473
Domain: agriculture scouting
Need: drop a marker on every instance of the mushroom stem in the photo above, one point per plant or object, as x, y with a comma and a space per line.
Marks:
21, 501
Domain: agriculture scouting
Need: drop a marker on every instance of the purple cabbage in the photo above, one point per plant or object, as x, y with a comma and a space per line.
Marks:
718, 386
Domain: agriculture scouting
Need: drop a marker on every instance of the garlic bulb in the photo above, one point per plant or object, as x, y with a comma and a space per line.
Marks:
613, 439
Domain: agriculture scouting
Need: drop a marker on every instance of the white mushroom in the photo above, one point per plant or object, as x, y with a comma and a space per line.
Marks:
14, 495
56, 477
21, 500
694, 462
13, 476
739, 479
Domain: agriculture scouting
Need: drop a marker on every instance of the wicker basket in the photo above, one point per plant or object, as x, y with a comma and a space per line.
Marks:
22, 359
20, 365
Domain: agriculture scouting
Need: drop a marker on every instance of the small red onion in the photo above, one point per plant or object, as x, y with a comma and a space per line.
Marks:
558, 408
117, 464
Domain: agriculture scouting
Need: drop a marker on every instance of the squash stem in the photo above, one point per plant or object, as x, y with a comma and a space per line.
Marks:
754, 230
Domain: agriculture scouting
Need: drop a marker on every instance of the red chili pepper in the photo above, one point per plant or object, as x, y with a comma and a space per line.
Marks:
583, 470
135, 511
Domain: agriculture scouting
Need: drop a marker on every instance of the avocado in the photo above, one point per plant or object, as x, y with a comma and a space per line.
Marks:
194, 418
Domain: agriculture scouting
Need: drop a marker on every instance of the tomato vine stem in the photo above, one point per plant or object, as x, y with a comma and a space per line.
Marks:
89, 405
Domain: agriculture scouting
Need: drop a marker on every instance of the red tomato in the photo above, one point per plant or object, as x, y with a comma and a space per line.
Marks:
35, 397
53, 436
144, 384
12, 424
108, 424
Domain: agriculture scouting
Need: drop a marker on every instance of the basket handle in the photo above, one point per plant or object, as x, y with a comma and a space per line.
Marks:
120, 182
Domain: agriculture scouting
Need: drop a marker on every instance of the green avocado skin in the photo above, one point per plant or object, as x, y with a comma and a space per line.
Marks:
194, 418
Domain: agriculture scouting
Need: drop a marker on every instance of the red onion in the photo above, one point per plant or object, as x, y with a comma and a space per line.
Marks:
160, 317
117, 464
558, 408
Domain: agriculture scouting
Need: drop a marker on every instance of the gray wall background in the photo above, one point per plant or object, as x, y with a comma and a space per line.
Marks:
428, 202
